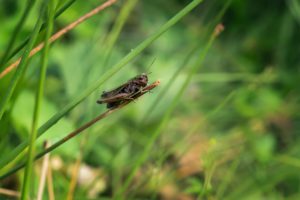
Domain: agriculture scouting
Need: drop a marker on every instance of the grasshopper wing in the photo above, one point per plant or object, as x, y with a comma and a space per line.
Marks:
114, 91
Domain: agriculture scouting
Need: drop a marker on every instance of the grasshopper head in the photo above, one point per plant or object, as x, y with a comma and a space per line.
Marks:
142, 79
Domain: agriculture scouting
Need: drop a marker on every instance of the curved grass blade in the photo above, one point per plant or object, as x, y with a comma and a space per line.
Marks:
16, 31
185, 61
39, 95
113, 36
163, 92
18, 73
59, 34
58, 13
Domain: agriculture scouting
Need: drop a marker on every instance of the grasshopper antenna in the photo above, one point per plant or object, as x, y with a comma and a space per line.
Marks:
148, 68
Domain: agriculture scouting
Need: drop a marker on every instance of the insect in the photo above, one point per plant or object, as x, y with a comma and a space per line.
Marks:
125, 92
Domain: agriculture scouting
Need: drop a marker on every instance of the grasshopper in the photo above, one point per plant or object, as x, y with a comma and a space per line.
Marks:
125, 92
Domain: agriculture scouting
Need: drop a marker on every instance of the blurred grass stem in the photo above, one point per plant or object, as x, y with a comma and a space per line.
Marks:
23, 44
39, 96
23, 62
17, 30
116, 30
59, 34
43, 175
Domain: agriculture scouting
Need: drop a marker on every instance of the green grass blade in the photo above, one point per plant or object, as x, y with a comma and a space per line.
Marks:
294, 7
113, 36
185, 61
163, 92
166, 117
114, 69
39, 95
58, 13
62, 9
21, 68
264, 77
16, 31
226, 180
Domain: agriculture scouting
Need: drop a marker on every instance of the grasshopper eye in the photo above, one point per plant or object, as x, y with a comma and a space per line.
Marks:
141, 78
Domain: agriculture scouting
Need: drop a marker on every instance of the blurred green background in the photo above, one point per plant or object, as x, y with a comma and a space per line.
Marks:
234, 133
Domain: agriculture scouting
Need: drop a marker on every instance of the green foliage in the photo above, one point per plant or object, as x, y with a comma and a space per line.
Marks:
223, 123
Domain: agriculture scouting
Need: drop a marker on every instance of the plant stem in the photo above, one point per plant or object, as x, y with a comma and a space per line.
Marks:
80, 129
59, 12
39, 96
24, 61
17, 30
115, 32
59, 34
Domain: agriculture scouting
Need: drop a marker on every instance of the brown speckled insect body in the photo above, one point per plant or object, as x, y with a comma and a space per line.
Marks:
124, 92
